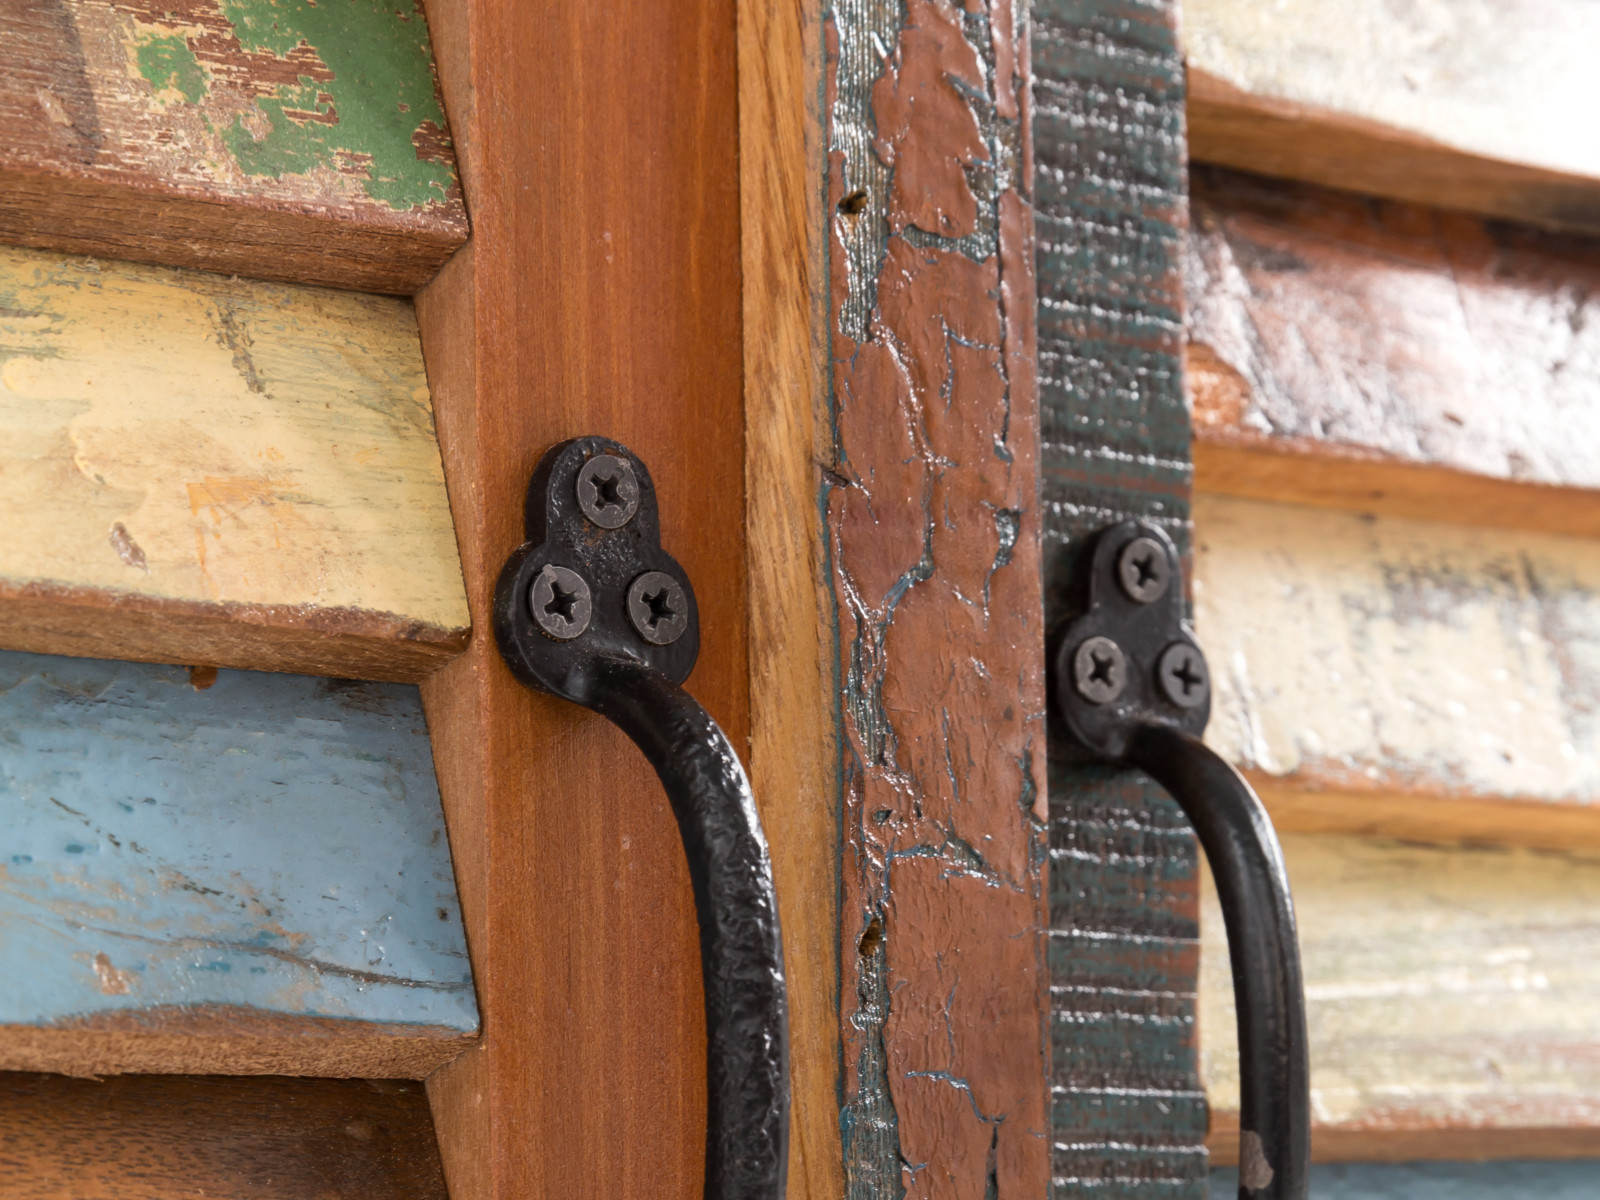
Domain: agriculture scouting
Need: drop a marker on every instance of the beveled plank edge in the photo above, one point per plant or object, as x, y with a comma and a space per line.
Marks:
344, 642
255, 239
230, 1040
1275, 136
1399, 1143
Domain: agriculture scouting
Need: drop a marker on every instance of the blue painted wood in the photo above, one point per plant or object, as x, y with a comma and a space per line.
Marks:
273, 842
1442, 1181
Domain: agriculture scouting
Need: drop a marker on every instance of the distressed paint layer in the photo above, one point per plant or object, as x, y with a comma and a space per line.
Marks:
934, 535
180, 437
1445, 987
1128, 1113
1353, 653
269, 843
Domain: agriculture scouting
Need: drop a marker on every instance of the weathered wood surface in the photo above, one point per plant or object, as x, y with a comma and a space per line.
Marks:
934, 527
1380, 356
600, 160
205, 470
222, 873
143, 1137
282, 139
1480, 105
1129, 1114
794, 757
1414, 678
1450, 992
1442, 1181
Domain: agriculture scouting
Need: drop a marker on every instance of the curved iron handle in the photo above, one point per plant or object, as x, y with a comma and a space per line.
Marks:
1134, 689
591, 609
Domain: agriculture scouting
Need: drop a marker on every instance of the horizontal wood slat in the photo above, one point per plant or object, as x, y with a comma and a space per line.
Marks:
222, 873
197, 469
284, 140
1450, 994
1412, 678
174, 1138
1477, 106
1385, 357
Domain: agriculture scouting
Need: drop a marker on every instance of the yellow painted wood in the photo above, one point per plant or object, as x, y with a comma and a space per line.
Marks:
214, 448
1447, 988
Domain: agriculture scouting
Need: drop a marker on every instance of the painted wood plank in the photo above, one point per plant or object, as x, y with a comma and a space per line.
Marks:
1449, 991
1481, 105
222, 873
1128, 1112
1442, 1181
1414, 678
145, 1137
282, 139
933, 526
197, 469
1365, 354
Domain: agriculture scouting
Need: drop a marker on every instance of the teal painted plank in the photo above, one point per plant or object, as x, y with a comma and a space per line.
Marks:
272, 842
1442, 1181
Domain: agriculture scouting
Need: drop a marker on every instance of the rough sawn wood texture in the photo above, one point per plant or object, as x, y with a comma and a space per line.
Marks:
1129, 1115
282, 139
933, 528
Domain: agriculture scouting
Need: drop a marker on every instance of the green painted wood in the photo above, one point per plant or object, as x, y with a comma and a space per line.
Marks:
1129, 1114
1442, 1181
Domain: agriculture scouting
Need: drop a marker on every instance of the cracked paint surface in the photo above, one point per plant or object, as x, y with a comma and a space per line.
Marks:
934, 539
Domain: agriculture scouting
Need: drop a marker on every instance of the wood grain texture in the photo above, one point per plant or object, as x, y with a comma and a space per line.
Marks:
1478, 105
933, 532
1391, 672
279, 139
222, 873
169, 1137
793, 631
1129, 1114
1365, 354
606, 226
1467, 1180
202, 470
1449, 991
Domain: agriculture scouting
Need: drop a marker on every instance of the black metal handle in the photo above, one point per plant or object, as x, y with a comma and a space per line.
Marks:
591, 609
1134, 689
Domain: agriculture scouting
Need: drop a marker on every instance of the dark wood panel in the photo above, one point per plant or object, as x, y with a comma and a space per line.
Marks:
166, 1137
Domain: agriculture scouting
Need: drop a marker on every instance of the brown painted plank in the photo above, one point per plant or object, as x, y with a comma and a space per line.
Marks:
1365, 354
793, 744
1474, 107
600, 294
933, 525
136, 1137
280, 139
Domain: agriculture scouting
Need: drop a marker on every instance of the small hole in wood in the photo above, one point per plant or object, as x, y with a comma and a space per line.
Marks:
872, 938
855, 203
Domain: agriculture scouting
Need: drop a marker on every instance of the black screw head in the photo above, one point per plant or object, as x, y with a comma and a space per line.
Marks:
1143, 570
560, 603
1099, 670
1183, 675
657, 608
608, 491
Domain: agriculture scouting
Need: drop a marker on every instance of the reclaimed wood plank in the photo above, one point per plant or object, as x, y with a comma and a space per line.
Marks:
152, 1137
933, 527
222, 873
280, 139
1474, 106
197, 469
1128, 1112
1417, 679
1365, 354
606, 203
1450, 999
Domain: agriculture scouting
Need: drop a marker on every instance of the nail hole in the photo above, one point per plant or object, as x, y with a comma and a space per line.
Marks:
872, 938
882, 815
855, 203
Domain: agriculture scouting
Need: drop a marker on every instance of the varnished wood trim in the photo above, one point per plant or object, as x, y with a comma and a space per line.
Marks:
1466, 1143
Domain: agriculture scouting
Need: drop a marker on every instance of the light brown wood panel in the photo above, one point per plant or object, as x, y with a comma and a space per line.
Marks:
283, 140
600, 294
793, 750
1480, 105
1377, 356
166, 1137
1450, 995
205, 470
